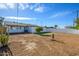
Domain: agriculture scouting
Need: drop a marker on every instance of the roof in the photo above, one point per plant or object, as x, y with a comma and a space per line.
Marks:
8, 23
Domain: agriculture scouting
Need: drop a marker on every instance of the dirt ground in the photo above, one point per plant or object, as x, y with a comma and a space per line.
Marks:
36, 45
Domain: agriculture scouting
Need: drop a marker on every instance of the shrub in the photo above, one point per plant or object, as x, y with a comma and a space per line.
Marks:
4, 39
39, 29
75, 27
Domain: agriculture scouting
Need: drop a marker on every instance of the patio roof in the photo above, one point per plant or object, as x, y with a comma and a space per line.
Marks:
18, 24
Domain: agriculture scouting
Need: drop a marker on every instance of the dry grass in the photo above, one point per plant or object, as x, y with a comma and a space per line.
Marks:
36, 45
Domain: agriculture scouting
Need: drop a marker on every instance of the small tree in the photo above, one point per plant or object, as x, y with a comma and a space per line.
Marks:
39, 29
55, 26
77, 21
76, 26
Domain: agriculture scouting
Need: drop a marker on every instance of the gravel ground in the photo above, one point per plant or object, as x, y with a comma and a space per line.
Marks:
36, 45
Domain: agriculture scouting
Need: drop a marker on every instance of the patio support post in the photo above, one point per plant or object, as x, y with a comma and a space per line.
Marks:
52, 36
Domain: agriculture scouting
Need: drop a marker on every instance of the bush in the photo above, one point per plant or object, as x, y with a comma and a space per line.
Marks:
39, 29
4, 39
75, 27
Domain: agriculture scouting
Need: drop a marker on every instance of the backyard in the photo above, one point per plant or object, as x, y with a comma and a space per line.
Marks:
42, 45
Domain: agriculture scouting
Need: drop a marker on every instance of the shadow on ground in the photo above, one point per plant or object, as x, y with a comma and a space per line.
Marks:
5, 51
57, 41
43, 33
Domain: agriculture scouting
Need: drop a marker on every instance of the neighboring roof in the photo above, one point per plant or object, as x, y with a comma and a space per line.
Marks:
47, 27
8, 23
68, 26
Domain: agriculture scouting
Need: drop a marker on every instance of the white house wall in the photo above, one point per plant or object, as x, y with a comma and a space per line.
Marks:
22, 29
16, 30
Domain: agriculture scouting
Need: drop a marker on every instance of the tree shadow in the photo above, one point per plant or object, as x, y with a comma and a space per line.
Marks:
5, 51
58, 41
43, 33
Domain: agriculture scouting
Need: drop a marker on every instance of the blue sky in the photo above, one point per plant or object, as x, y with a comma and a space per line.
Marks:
43, 14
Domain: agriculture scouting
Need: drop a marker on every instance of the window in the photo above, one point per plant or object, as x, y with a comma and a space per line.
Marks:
11, 27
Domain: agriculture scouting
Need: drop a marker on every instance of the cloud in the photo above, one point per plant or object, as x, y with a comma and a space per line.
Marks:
34, 6
39, 9
7, 5
10, 5
60, 14
19, 18
27, 5
2, 6
22, 6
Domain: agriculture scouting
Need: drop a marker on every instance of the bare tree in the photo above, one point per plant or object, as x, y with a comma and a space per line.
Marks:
1, 21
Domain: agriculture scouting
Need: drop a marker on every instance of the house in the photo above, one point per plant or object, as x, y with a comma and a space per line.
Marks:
14, 27
47, 29
69, 27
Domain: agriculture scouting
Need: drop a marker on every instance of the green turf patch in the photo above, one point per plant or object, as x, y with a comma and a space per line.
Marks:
44, 33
